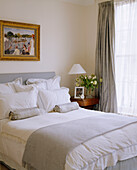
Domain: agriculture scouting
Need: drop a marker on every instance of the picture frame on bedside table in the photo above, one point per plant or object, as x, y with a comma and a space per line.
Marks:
79, 93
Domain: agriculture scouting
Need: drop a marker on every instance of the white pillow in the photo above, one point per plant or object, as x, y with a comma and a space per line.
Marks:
53, 83
38, 86
22, 88
50, 84
13, 101
9, 86
50, 98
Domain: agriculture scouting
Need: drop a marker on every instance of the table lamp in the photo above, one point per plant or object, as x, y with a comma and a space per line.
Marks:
77, 69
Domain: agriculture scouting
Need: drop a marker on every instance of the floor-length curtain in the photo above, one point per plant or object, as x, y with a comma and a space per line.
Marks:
105, 66
126, 56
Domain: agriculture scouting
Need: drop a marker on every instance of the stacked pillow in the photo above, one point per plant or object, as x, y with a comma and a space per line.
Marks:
13, 101
50, 98
49, 92
43, 93
50, 84
9, 87
10, 100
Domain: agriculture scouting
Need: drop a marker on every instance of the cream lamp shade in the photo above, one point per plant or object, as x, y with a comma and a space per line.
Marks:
77, 69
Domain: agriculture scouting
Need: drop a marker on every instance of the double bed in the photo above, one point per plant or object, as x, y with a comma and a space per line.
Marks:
110, 148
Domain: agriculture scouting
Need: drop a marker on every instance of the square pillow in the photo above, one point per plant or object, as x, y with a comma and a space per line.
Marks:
24, 88
13, 101
50, 84
50, 98
9, 86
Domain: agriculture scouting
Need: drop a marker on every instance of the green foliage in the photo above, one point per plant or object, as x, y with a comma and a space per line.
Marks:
10, 34
89, 82
15, 35
26, 36
18, 35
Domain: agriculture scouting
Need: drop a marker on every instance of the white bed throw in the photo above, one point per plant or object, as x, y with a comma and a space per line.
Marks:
51, 145
95, 154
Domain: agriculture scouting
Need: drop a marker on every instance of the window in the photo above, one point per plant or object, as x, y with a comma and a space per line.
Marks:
126, 56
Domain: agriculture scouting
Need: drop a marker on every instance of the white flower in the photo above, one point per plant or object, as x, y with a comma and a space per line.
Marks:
94, 77
85, 77
82, 96
95, 82
89, 77
91, 82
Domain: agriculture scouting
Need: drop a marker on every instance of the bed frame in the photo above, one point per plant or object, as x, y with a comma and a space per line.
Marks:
130, 164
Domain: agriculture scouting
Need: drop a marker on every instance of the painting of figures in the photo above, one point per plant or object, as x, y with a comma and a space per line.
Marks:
19, 41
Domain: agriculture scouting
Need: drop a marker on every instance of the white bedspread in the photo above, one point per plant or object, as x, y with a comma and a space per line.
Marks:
96, 154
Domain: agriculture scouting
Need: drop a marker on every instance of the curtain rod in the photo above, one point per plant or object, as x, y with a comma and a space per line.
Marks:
100, 1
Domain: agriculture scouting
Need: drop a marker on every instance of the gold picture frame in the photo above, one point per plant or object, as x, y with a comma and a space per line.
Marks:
19, 41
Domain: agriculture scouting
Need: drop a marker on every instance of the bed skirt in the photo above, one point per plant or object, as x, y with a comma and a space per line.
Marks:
129, 164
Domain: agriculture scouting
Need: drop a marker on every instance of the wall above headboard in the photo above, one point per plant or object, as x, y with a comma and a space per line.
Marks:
62, 41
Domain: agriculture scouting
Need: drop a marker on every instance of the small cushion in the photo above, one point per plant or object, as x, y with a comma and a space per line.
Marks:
25, 113
63, 108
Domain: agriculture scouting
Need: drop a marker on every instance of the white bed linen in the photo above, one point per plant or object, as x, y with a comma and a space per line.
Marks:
2, 122
95, 154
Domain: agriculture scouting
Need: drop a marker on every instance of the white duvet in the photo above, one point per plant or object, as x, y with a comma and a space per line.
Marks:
95, 154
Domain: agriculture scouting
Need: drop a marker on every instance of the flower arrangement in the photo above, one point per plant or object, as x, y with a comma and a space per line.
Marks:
89, 82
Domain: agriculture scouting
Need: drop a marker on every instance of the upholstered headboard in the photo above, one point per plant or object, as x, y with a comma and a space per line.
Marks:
4, 78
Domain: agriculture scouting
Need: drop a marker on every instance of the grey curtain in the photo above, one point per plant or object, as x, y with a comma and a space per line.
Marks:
105, 65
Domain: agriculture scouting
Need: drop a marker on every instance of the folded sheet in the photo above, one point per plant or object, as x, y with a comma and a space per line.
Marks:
67, 107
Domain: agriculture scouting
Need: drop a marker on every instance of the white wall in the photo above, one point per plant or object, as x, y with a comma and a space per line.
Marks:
63, 35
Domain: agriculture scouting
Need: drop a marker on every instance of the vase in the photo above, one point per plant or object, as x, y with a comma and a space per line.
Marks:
89, 93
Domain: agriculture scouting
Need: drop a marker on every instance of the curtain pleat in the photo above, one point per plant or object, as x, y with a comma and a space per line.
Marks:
105, 65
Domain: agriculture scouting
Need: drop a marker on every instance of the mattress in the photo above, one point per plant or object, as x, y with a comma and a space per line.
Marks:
98, 153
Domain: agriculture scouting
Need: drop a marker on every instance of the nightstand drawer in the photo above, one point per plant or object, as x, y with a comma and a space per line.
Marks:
86, 102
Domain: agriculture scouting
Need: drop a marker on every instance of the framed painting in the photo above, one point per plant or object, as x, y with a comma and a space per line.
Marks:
19, 41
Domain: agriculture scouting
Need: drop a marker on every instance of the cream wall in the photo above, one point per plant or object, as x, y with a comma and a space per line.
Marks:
68, 36
63, 35
91, 33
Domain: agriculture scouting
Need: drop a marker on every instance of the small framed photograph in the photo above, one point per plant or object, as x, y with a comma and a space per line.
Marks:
79, 92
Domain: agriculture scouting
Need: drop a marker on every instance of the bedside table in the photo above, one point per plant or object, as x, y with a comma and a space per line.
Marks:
87, 103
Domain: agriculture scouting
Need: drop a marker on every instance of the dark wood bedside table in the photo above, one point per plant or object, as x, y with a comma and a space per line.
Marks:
87, 103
